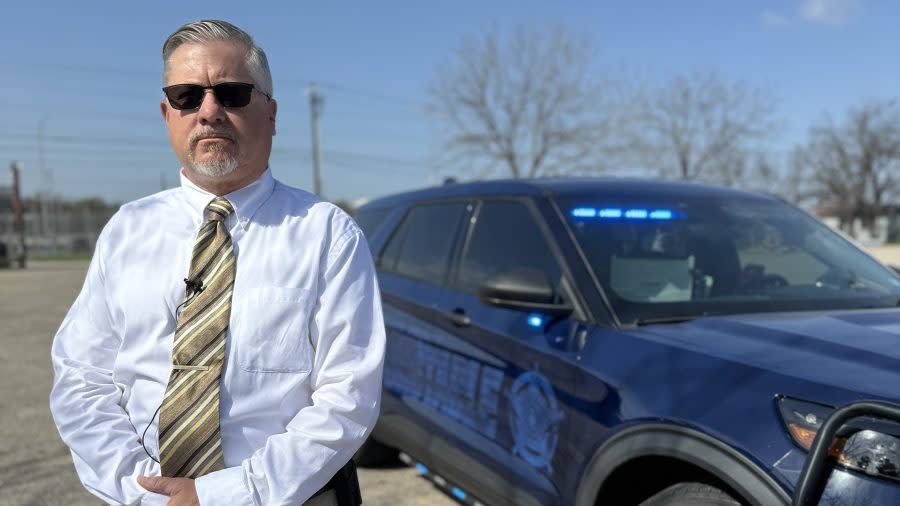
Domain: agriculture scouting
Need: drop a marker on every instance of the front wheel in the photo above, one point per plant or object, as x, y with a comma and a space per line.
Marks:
691, 494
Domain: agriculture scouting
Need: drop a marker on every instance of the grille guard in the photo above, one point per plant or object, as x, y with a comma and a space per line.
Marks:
816, 468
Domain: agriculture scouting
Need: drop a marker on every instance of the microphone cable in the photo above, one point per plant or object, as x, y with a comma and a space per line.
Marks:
193, 288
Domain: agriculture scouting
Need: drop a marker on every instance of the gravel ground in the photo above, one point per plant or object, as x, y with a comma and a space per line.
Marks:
35, 467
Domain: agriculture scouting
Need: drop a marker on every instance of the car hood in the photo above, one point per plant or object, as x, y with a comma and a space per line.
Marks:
852, 350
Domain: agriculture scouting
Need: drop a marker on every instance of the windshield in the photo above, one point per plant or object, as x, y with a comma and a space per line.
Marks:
689, 257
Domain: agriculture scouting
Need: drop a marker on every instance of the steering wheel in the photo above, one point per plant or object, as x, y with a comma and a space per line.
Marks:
774, 281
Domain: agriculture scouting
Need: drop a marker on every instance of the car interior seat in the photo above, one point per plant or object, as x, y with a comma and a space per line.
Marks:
717, 257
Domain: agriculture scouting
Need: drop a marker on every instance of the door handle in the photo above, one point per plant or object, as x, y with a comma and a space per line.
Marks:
458, 317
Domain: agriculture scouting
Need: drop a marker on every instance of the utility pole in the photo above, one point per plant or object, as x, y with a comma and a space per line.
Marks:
315, 108
18, 212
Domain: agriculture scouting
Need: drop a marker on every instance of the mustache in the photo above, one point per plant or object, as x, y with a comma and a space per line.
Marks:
208, 131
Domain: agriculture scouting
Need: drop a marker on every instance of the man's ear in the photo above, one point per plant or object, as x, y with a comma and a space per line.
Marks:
163, 108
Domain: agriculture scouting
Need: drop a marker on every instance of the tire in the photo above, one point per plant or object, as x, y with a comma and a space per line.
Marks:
691, 494
374, 454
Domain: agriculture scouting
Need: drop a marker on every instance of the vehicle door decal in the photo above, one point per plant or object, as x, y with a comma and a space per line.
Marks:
466, 390
534, 419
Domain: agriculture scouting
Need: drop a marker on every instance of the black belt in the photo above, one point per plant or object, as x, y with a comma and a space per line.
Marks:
345, 485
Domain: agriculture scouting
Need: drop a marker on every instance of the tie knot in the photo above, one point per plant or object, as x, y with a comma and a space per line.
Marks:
218, 209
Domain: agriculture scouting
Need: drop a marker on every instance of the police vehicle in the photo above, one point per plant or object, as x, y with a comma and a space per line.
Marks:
607, 341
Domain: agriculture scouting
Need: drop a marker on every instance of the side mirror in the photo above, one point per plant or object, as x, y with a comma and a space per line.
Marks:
523, 290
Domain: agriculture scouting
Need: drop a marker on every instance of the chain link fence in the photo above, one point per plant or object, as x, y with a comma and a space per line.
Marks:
57, 233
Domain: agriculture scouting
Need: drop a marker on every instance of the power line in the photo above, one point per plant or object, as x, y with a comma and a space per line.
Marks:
363, 157
63, 160
94, 148
117, 71
373, 169
106, 115
120, 72
370, 94
73, 139
124, 143
139, 93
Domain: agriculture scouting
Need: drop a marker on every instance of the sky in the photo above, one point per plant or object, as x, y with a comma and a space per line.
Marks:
80, 81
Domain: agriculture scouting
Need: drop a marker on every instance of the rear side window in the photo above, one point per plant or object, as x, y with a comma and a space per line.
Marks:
421, 246
370, 219
506, 237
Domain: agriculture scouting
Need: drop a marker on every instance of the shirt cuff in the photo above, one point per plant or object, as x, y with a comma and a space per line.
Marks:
225, 487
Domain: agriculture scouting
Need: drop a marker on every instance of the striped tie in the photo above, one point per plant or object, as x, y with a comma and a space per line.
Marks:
189, 442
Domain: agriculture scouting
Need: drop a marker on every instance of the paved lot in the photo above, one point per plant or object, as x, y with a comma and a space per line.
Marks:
887, 254
35, 467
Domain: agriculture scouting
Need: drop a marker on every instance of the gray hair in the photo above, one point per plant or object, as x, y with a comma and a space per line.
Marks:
209, 30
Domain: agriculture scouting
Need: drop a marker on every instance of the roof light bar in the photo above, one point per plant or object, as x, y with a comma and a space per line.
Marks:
616, 213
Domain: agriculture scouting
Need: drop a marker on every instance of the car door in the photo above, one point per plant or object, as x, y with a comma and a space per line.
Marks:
413, 267
508, 373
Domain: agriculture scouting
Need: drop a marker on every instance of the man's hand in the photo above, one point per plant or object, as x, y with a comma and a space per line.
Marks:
181, 491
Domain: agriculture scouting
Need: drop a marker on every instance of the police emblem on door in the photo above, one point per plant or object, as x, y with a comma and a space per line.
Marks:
534, 419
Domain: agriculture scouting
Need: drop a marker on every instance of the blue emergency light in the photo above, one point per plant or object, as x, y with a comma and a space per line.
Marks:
584, 212
630, 214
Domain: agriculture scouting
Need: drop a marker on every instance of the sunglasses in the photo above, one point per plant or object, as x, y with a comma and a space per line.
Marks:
190, 96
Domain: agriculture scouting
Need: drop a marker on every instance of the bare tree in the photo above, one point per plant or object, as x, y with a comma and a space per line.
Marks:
522, 107
764, 171
854, 168
699, 126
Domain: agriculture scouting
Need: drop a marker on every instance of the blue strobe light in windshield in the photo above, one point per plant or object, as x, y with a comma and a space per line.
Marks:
616, 213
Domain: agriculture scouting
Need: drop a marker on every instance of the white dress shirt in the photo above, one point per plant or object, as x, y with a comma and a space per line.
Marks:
301, 386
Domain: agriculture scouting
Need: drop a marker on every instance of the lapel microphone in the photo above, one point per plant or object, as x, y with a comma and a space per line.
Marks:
193, 286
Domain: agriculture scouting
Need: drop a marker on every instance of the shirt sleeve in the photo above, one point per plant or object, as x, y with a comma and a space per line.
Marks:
347, 332
85, 401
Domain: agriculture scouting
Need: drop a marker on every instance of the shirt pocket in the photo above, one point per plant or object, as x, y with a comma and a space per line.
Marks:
272, 332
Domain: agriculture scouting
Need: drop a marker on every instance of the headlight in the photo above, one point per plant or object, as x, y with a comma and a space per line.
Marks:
867, 445
873, 453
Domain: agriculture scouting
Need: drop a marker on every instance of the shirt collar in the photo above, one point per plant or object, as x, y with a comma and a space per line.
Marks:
245, 200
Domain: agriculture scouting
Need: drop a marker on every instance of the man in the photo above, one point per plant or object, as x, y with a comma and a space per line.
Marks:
244, 313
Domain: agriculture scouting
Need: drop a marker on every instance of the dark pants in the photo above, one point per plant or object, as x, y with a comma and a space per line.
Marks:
341, 490
324, 499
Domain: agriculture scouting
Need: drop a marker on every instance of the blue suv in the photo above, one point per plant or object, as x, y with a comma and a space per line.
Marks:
607, 341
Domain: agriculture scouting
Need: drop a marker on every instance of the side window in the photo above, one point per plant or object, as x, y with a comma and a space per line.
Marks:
506, 237
421, 246
369, 219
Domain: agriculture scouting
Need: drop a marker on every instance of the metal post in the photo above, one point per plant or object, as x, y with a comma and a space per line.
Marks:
18, 212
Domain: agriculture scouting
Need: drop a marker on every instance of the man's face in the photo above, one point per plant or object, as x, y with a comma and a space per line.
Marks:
222, 149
